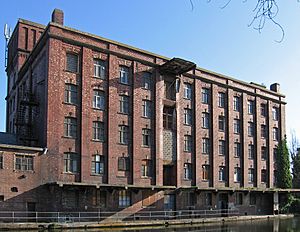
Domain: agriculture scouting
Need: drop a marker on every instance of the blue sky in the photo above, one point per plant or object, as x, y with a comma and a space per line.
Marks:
214, 38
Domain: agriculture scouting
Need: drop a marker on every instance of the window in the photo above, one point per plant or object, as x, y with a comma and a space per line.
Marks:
98, 164
263, 131
123, 163
124, 198
250, 151
71, 93
99, 68
187, 143
205, 120
124, 104
72, 63
1, 160
250, 107
24, 162
263, 176
221, 123
170, 92
187, 91
123, 134
237, 149
236, 104
239, 199
146, 168
146, 108
275, 134
70, 127
168, 118
187, 113
237, 174
236, 126
205, 145
124, 75
222, 173
98, 131
250, 129
263, 153
205, 96
205, 172
1, 198
221, 147
146, 80
99, 100
250, 175
221, 100
187, 169
71, 162
263, 110
146, 137
275, 113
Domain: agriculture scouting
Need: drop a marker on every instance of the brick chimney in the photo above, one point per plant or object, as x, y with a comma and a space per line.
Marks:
58, 16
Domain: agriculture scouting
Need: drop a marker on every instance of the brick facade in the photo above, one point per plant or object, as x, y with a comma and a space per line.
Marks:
37, 76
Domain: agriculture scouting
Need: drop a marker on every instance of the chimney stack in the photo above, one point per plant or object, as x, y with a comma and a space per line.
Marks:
58, 16
275, 87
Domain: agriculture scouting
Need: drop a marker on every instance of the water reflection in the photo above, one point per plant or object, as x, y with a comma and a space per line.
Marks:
272, 225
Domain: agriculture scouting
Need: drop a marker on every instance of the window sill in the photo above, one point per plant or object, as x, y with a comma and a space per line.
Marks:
186, 124
123, 144
70, 173
69, 71
70, 103
145, 146
146, 177
123, 113
187, 179
17, 170
186, 98
97, 174
146, 88
146, 117
68, 137
206, 181
122, 83
97, 140
99, 78
94, 108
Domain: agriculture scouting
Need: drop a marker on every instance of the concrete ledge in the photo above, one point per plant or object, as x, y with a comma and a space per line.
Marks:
135, 224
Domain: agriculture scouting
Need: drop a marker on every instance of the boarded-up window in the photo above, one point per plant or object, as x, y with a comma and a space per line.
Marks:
99, 198
149, 198
70, 198
72, 63
123, 163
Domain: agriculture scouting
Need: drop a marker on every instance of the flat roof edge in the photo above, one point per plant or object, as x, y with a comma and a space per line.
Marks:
18, 147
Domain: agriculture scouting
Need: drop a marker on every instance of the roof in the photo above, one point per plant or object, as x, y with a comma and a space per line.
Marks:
166, 59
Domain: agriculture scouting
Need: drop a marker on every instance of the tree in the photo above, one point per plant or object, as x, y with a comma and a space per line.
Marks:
265, 10
284, 177
295, 155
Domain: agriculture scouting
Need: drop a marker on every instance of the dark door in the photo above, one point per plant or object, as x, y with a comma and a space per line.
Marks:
169, 202
169, 173
223, 204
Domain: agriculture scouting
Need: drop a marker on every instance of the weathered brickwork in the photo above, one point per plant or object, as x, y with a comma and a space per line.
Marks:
138, 160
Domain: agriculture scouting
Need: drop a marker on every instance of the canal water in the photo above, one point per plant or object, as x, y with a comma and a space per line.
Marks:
271, 225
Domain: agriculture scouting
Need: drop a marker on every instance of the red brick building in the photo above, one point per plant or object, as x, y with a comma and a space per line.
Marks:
125, 129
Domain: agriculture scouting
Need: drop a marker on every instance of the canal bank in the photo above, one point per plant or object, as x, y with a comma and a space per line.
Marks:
136, 224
